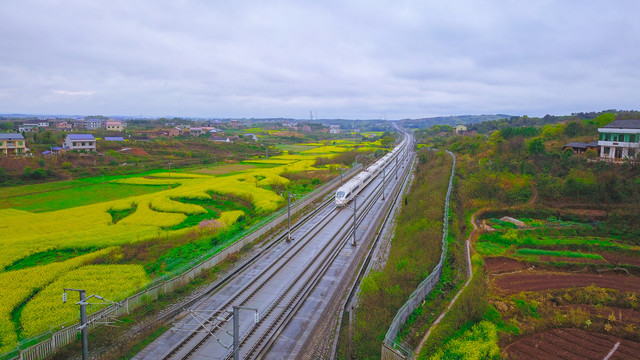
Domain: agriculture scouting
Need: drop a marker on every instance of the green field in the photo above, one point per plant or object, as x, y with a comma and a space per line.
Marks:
70, 197
294, 147
550, 237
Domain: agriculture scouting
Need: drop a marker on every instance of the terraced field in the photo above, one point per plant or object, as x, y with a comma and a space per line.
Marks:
563, 291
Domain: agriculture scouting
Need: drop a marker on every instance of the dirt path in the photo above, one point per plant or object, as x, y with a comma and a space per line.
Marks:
455, 298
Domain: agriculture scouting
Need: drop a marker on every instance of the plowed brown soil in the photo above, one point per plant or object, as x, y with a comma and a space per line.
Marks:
569, 344
623, 316
620, 259
136, 151
566, 259
540, 281
499, 265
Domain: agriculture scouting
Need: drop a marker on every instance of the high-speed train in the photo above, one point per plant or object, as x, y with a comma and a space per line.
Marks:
352, 187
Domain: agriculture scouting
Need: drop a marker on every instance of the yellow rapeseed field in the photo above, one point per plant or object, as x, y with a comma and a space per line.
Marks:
113, 282
18, 285
92, 226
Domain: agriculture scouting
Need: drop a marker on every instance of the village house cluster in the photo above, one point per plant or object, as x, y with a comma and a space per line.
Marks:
70, 125
80, 134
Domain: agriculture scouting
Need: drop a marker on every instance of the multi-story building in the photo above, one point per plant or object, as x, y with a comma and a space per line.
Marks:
196, 131
63, 125
619, 140
92, 124
113, 125
26, 127
12, 144
79, 142
460, 128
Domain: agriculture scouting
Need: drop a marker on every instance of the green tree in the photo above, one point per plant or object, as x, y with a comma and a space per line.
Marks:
536, 147
27, 172
603, 119
387, 141
573, 129
6, 126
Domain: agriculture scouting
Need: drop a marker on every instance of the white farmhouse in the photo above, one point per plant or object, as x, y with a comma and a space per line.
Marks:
79, 142
619, 140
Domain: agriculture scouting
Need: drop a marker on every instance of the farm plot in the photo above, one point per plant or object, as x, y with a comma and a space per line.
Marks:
553, 273
555, 245
158, 206
541, 281
572, 344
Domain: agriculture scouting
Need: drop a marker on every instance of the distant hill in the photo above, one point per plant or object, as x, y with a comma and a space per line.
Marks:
451, 120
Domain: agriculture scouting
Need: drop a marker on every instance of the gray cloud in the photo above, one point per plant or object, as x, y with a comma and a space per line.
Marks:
355, 59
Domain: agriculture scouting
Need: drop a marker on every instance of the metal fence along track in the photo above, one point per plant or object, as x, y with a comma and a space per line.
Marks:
391, 349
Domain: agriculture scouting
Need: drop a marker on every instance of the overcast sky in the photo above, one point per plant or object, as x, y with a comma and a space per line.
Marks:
339, 59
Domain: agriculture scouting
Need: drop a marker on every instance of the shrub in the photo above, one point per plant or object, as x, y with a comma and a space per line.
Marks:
481, 342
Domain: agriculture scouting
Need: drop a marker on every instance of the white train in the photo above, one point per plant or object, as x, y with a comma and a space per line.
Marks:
351, 188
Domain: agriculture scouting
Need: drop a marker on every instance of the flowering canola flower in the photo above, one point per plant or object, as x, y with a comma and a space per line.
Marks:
92, 226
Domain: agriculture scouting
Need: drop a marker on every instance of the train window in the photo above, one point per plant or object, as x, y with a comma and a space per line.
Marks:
340, 194
356, 188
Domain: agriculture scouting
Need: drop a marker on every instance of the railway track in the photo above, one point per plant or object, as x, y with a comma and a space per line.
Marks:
243, 296
289, 301
211, 334
192, 342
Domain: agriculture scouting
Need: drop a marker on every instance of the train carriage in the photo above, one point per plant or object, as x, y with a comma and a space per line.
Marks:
351, 188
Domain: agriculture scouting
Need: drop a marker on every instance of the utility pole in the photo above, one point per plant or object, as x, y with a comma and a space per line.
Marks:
84, 325
341, 181
236, 333
384, 178
236, 328
396, 167
288, 215
289, 195
83, 320
355, 205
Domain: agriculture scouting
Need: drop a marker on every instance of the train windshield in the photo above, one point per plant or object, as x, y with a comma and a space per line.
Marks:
340, 194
